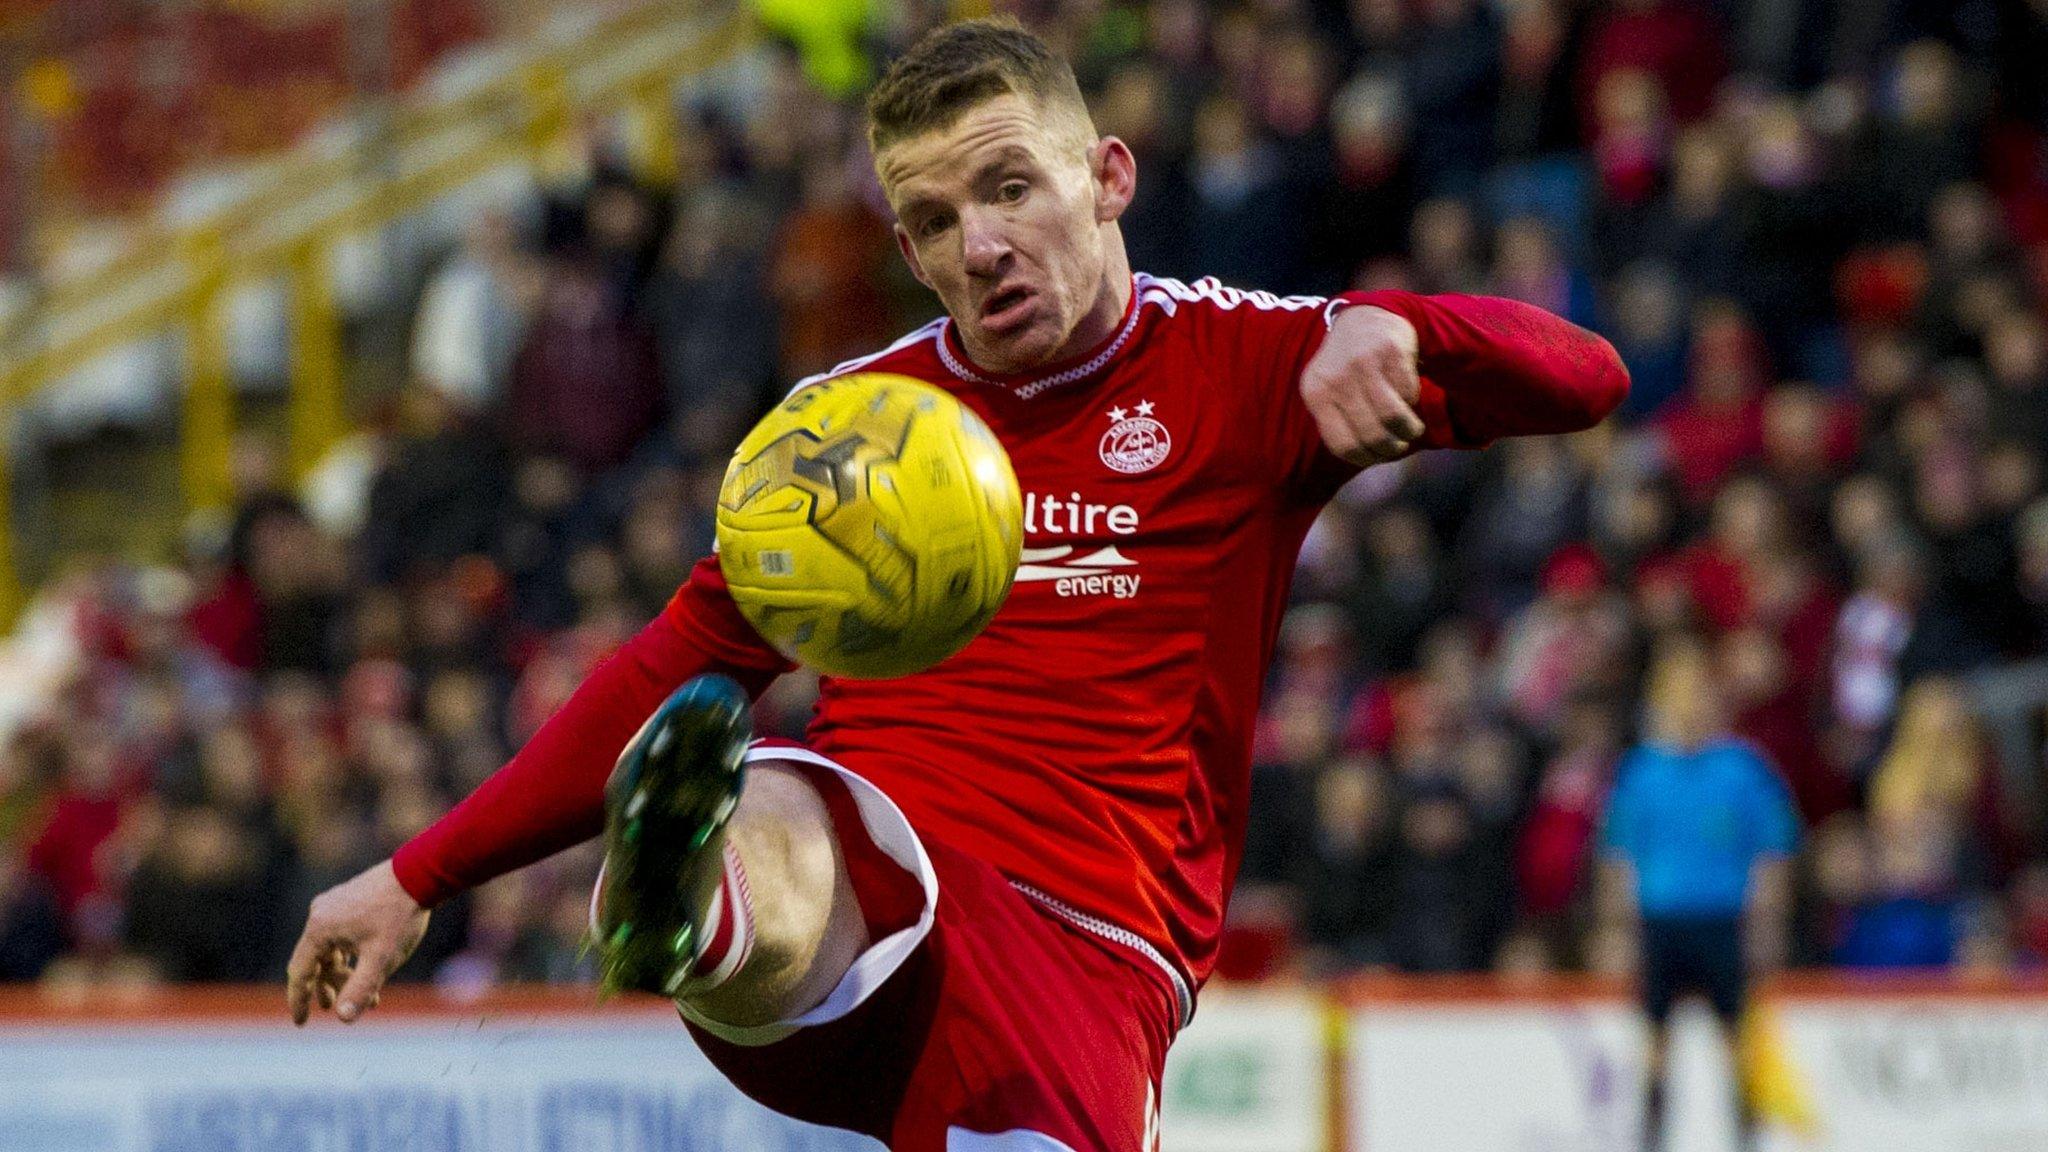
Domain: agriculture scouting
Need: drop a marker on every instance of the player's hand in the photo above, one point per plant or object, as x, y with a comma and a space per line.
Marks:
357, 934
1362, 386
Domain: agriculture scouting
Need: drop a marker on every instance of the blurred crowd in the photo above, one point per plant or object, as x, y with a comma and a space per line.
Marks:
1816, 232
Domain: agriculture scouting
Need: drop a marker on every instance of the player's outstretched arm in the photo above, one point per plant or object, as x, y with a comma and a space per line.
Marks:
1400, 371
550, 796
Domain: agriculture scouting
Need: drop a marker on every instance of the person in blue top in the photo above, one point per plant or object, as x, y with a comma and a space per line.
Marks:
1696, 842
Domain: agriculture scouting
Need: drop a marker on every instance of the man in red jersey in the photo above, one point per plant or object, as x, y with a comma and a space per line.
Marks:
973, 910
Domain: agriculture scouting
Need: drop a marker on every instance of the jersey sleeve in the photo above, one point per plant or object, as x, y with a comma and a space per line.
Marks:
1489, 368
551, 795
1493, 368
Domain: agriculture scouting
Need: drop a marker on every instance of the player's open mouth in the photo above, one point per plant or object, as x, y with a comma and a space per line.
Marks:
1007, 309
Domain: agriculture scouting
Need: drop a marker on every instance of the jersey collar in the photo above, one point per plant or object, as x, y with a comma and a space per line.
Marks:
1025, 385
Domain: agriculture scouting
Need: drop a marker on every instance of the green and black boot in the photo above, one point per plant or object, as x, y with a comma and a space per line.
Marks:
666, 807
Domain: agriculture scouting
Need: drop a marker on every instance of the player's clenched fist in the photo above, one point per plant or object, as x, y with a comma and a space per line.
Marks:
357, 934
1362, 386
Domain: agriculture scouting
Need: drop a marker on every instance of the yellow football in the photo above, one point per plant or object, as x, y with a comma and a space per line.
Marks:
869, 526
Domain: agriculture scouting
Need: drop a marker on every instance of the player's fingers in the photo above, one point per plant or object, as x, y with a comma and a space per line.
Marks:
1340, 398
1393, 413
1372, 440
1403, 385
1330, 420
1402, 371
334, 970
299, 974
360, 993
1345, 435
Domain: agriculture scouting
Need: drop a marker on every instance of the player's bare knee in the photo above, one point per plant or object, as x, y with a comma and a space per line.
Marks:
784, 836
793, 866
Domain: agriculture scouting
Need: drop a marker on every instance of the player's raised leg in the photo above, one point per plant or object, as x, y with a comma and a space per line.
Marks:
724, 885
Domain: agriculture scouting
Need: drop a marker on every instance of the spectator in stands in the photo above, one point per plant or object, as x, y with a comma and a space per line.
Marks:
1444, 913
1649, 332
1402, 592
1136, 106
1918, 144
1888, 634
1246, 212
827, 274
277, 597
31, 929
1445, 247
1697, 839
1936, 762
94, 795
1903, 909
1696, 225
2016, 353
1555, 855
1795, 226
623, 231
199, 905
1537, 118
30, 762
1512, 541
437, 497
2030, 915
1530, 267
1361, 213
585, 384
1346, 866
1771, 704
1571, 638
1718, 422
473, 313
715, 342
1451, 70
1673, 43
2032, 530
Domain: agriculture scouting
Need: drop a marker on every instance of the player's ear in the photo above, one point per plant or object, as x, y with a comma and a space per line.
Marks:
1115, 171
909, 251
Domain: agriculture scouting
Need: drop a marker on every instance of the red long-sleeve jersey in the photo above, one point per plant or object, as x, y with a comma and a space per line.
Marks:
1094, 742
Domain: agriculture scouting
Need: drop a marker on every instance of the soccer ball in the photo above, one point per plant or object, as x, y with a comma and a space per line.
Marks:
869, 526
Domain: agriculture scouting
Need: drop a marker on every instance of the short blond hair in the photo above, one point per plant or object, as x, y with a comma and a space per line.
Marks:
960, 66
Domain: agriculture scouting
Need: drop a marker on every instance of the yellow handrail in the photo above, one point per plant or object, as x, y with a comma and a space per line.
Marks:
209, 410
306, 175
318, 420
179, 279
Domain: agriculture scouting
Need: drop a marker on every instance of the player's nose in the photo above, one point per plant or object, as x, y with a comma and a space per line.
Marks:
986, 243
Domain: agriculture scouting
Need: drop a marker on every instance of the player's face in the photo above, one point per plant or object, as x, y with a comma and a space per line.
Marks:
1010, 216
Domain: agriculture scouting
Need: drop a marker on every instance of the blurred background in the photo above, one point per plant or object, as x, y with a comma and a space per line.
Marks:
370, 365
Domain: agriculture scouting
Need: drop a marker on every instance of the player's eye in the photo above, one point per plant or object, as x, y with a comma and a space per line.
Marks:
934, 224
1011, 191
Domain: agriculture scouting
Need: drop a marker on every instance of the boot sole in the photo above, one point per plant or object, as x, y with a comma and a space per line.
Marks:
666, 809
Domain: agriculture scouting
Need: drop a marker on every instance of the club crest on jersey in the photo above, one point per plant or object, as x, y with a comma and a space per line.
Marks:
1135, 442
